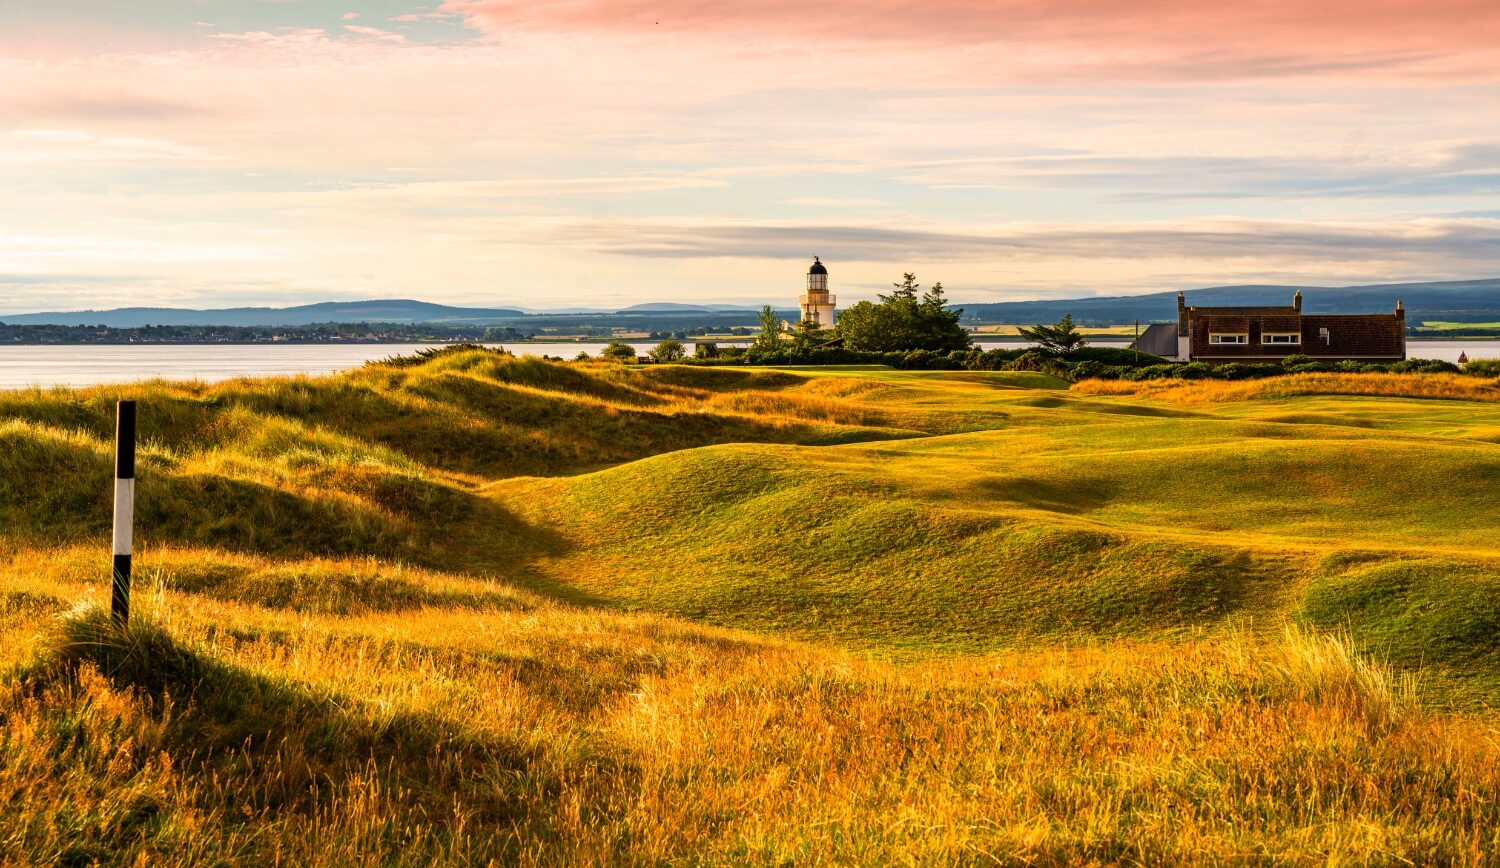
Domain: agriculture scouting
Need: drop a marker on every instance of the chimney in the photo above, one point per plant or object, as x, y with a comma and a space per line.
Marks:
1297, 301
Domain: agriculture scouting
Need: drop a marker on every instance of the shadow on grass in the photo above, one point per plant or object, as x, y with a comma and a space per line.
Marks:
1072, 498
271, 746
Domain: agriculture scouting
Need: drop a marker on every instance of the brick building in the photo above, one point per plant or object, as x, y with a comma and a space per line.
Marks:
1268, 334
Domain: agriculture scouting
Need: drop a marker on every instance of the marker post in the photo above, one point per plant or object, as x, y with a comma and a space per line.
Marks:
119, 602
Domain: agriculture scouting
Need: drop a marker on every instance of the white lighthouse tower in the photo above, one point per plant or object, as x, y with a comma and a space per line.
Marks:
817, 304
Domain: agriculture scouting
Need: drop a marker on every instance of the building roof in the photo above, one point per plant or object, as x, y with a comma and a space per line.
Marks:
817, 267
1158, 339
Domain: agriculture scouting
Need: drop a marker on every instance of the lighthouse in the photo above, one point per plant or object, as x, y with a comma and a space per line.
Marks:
817, 304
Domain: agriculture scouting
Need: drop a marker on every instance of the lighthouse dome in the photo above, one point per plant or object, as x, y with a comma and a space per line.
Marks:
817, 267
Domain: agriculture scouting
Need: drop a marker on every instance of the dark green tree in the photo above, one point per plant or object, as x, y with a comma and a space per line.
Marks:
1058, 339
669, 350
618, 352
809, 334
769, 338
904, 320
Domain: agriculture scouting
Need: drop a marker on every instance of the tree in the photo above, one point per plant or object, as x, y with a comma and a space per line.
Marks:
904, 320
618, 352
769, 338
669, 350
809, 334
1055, 340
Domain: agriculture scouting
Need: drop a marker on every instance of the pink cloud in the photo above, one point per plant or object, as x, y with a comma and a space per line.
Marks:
375, 33
350, 16
1181, 38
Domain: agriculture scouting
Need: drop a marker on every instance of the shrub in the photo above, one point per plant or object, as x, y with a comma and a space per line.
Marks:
1086, 371
1195, 371
995, 360
1237, 371
1030, 360
1114, 356
1424, 366
1295, 359
1152, 372
1483, 367
927, 360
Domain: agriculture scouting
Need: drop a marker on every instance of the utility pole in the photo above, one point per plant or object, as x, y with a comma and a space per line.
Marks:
119, 601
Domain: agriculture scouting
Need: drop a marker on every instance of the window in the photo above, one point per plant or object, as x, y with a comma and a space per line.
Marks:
1285, 339
1228, 339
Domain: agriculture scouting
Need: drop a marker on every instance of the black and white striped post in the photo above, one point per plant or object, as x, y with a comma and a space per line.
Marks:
119, 602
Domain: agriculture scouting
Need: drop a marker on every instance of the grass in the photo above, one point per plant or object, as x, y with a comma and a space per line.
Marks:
1454, 326
1425, 386
494, 610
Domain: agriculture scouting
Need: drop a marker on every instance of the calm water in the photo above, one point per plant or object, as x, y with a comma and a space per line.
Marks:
22, 366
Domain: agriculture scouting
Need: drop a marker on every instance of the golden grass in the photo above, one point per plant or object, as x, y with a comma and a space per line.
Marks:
359, 642
1442, 386
559, 736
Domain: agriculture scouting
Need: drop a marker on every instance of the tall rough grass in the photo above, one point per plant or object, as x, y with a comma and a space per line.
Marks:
564, 737
1455, 387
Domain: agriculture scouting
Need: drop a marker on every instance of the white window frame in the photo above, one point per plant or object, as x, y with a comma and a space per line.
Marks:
1286, 339
1237, 339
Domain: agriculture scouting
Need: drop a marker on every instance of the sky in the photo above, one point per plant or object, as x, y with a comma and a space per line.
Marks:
554, 153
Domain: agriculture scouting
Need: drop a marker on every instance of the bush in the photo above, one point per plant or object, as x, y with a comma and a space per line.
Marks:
1295, 359
1424, 366
994, 360
1195, 371
1087, 371
1483, 367
1114, 356
927, 360
1152, 372
1237, 371
1030, 360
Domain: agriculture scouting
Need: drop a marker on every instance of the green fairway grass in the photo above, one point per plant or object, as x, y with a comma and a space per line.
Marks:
484, 608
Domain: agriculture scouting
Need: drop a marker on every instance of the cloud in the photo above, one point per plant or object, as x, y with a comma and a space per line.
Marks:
1471, 169
109, 105
375, 33
1430, 246
836, 202
62, 147
1185, 38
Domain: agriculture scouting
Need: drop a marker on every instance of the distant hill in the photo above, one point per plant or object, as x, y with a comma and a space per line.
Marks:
389, 310
1456, 301
674, 307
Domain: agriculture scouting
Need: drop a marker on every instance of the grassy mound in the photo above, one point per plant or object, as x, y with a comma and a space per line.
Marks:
474, 608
